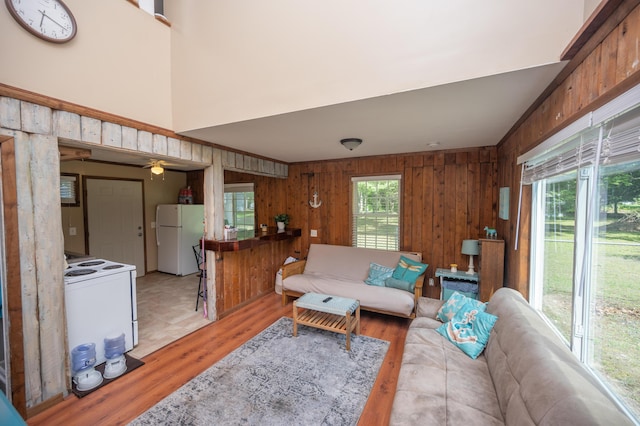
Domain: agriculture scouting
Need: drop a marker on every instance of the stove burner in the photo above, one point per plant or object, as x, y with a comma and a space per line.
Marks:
113, 267
91, 263
79, 272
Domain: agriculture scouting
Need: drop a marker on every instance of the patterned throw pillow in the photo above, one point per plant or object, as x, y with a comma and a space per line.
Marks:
409, 270
453, 305
400, 284
469, 329
377, 274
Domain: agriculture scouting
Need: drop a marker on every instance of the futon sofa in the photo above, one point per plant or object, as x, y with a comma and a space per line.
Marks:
342, 271
526, 375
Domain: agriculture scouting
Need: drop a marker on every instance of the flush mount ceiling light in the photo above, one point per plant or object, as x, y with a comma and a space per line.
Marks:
351, 143
157, 170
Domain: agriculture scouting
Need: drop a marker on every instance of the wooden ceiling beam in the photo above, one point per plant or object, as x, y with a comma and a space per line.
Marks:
68, 153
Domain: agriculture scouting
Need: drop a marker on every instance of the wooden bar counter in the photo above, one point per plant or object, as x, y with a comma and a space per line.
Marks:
246, 269
272, 234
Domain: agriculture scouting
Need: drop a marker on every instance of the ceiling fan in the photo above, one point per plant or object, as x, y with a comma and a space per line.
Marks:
157, 167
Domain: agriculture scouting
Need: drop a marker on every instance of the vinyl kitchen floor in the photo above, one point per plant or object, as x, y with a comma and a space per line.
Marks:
166, 310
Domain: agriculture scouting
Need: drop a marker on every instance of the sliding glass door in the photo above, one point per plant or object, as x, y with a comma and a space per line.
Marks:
585, 246
612, 347
554, 250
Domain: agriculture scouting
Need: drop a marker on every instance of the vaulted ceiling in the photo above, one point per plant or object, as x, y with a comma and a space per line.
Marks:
287, 80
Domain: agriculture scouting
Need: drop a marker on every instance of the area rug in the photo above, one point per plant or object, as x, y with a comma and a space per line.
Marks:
278, 379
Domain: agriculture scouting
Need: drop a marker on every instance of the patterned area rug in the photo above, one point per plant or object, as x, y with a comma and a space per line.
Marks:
278, 379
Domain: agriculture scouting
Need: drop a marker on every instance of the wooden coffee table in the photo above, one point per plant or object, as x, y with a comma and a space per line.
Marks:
327, 312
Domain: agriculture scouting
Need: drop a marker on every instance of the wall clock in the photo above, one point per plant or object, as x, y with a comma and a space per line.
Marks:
51, 20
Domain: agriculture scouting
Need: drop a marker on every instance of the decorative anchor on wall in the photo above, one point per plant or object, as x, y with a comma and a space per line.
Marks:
315, 203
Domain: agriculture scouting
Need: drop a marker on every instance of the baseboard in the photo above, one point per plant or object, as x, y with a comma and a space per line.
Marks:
37, 409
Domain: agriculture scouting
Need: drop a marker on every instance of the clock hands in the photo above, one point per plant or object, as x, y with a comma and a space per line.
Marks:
44, 15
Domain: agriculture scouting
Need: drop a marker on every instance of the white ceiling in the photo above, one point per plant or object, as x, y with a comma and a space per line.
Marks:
419, 77
470, 113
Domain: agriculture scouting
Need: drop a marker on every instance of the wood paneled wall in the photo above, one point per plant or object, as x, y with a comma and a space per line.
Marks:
245, 275
605, 67
448, 196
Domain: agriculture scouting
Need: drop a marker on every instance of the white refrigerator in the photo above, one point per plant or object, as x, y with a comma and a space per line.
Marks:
178, 228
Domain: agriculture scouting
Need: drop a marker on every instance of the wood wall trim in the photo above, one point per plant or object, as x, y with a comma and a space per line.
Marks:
616, 91
599, 73
161, 18
605, 19
58, 104
72, 153
13, 277
597, 20
40, 408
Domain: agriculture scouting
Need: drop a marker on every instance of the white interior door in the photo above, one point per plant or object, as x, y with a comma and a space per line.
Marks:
115, 221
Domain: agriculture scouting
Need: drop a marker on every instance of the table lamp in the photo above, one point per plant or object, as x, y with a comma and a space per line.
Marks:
472, 248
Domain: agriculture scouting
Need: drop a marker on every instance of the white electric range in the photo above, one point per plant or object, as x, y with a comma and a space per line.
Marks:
100, 298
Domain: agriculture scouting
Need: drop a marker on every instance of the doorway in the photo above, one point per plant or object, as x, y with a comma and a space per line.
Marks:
115, 220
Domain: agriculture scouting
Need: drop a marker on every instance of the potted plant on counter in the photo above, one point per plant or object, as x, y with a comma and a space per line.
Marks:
282, 220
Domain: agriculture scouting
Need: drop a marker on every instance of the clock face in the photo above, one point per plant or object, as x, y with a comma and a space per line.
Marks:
50, 20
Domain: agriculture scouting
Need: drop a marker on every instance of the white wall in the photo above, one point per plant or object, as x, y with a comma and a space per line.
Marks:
233, 61
225, 61
119, 61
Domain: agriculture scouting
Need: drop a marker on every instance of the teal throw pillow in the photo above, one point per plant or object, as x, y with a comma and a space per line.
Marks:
469, 329
400, 284
453, 305
378, 274
409, 270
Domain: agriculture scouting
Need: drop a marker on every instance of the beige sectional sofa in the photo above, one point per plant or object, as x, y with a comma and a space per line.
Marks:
526, 375
342, 270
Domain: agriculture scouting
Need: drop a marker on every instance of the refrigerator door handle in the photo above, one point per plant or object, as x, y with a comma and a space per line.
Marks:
157, 225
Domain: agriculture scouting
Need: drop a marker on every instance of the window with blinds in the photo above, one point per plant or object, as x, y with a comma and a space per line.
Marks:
376, 212
585, 241
69, 190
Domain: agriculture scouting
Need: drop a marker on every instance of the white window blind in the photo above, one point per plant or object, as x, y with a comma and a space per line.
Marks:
570, 154
68, 189
613, 129
621, 138
610, 134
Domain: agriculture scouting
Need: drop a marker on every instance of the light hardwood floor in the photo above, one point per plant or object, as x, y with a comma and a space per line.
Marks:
168, 368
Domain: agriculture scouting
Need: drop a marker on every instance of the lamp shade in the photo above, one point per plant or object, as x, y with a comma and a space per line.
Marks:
470, 247
351, 143
157, 170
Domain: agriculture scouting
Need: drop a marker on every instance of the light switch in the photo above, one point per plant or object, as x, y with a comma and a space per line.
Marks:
72, 231
314, 232
153, 225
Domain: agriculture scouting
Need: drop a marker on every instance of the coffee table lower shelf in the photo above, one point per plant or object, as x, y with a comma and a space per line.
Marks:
343, 324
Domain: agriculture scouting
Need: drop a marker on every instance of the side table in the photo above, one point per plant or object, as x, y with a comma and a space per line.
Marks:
457, 281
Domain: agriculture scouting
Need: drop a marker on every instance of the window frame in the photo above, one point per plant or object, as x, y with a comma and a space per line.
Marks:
352, 193
75, 179
614, 128
242, 188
